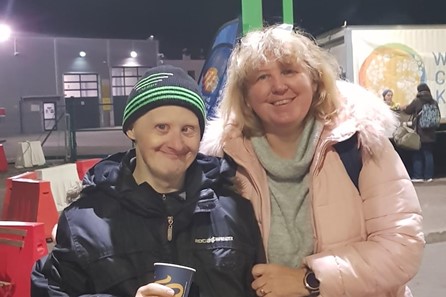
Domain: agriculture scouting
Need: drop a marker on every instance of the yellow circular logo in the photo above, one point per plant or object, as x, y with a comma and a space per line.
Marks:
393, 66
210, 80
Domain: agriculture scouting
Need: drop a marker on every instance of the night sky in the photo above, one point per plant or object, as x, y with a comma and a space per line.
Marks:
191, 24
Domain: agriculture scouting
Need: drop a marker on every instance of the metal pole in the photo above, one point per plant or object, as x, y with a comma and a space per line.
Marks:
71, 138
288, 15
252, 16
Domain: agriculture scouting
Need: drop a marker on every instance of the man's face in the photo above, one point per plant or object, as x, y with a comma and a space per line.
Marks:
167, 140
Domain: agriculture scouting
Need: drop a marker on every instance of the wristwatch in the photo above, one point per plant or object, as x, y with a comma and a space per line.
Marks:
311, 283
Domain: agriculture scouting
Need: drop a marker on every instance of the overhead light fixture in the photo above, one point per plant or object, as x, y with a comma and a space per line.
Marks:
133, 54
5, 32
82, 54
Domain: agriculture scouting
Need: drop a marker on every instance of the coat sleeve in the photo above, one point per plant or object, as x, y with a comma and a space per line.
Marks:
412, 107
63, 268
391, 253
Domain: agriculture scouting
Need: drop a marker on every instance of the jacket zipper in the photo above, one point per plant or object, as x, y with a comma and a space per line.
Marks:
169, 223
169, 228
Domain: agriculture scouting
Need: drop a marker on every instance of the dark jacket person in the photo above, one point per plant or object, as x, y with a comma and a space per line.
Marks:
159, 202
422, 160
424, 96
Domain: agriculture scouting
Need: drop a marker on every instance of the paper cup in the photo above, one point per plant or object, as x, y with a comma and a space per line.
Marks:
174, 276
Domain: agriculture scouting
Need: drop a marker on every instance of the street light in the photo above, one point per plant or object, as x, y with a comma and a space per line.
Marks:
5, 32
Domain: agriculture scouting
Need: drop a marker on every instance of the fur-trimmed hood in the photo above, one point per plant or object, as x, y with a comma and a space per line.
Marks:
360, 111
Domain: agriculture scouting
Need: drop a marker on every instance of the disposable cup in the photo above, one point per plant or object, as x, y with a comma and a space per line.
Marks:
174, 276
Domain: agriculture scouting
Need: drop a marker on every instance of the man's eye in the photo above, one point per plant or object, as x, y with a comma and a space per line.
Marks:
189, 129
161, 126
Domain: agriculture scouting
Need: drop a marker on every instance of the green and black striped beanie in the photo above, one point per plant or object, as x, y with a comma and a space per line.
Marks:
160, 86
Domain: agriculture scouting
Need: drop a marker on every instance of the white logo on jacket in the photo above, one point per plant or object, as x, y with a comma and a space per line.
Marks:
214, 239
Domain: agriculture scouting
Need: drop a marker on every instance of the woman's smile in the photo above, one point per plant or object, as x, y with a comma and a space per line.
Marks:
282, 102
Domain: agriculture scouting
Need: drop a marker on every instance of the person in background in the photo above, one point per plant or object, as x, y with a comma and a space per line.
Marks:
159, 202
388, 98
281, 114
422, 160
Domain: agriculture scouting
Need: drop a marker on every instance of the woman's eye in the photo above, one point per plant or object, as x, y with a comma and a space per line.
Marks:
288, 71
262, 77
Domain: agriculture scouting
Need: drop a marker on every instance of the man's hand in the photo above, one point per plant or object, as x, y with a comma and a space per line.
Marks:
273, 280
154, 290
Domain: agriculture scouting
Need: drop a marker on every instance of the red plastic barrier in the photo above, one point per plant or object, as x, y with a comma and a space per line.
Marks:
21, 245
8, 189
83, 166
32, 201
3, 161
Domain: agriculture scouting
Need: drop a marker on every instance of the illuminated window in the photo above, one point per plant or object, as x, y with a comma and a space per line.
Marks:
81, 85
124, 78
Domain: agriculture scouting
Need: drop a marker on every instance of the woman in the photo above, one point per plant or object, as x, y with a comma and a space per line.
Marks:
422, 160
159, 202
388, 98
280, 116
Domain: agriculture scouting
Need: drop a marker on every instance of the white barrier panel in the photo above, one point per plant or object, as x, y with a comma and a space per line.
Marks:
29, 154
62, 178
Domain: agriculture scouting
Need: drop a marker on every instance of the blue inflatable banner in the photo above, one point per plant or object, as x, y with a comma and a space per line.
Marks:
213, 75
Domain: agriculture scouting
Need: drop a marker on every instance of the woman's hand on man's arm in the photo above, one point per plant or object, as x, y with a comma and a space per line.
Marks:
272, 280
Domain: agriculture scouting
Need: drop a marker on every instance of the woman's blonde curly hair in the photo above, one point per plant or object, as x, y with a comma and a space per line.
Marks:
287, 47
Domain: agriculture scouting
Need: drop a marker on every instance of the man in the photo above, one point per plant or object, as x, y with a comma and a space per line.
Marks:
158, 202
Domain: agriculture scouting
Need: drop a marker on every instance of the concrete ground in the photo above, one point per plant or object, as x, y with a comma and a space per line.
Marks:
428, 282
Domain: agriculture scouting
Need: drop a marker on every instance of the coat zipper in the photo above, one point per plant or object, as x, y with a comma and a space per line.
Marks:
169, 228
169, 223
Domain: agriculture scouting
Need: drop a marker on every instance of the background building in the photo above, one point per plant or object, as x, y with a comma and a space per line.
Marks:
44, 78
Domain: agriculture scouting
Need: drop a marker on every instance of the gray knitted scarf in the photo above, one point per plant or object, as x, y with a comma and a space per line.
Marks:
291, 236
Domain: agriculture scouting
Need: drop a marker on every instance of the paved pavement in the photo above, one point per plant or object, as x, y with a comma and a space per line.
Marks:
432, 198
428, 282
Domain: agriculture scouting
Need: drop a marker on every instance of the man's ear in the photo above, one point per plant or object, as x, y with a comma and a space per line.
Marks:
130, 134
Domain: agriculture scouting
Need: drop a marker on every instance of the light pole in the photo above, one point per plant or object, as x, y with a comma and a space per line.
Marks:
252, 16
288, 15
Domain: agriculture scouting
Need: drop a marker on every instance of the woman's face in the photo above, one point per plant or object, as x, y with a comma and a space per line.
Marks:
280, 95
388, 97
